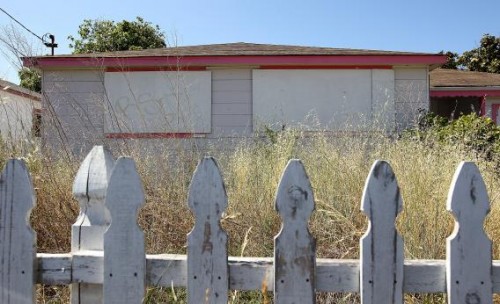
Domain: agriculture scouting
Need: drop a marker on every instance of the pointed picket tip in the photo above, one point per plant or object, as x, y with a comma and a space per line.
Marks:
468, 194
16, 176
207, 187
381, 182
91, 180
125, 185
294, 195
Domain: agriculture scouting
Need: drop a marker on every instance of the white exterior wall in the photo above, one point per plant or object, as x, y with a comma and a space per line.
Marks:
242, 99
16, 116
411, 94
324, 99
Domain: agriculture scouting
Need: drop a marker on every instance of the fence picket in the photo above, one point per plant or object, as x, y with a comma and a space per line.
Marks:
87, 233
294, 247
18, 240
381, 247
124, 254
468, 250
207, 242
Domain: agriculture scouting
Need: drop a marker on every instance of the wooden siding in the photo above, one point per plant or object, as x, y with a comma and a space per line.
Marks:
231, 103
411, 95
74, 103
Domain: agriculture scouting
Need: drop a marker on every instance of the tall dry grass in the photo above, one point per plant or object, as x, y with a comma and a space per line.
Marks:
337, 167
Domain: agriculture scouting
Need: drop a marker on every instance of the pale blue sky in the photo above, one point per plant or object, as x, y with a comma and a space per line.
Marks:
420, 26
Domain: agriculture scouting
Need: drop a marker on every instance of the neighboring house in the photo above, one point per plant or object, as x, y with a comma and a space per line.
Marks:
20, 113
229, 90
456, 92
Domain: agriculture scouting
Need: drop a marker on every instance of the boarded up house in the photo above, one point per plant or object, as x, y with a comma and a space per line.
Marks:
229, 90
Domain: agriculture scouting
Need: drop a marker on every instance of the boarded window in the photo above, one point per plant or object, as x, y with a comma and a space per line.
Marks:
141, 102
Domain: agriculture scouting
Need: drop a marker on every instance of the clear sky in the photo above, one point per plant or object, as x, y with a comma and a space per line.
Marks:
419, 26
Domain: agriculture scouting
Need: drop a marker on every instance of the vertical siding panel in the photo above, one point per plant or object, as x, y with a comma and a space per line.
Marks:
208, 280
294, 246
468, 249
411, 95
17, 239
74, 103
231, 95
124, 254
382, 259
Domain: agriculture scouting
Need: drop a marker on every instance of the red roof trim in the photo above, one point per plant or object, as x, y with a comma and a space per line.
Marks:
236, 60
150, 69
325, 67
465, 93
148, 135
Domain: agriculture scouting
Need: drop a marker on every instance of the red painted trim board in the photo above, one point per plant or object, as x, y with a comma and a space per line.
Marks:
325, 67
465, 93
494, 112
147, 135
235, 60
482, 101
153, 69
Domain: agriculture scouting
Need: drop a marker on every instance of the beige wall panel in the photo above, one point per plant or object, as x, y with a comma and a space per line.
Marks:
312, 99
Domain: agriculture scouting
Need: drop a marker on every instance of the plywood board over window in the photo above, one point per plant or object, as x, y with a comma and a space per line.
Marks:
157, 102
322, 99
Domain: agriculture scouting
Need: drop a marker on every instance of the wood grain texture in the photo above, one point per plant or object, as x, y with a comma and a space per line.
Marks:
167, 270
468, 250
294, 246
381, 247
124, 253
207, 242
87, 233
18, 240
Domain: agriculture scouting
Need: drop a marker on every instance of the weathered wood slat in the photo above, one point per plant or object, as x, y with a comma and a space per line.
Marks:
468, 250
17, 239
166, 270
124, 253
381, 248
207, 242
294, 246
87, 233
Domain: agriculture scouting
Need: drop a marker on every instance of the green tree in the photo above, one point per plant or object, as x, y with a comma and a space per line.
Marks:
108, 36
30, 79
451, 62
485, 58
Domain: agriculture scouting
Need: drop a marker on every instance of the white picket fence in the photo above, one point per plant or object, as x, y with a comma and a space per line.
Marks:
108, 264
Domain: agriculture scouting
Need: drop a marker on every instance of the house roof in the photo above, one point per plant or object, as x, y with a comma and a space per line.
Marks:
238, 54
242, 49
18, 90
457, 78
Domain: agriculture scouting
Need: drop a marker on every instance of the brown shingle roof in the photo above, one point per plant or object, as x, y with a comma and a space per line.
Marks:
242, 49
458, 78
11, 87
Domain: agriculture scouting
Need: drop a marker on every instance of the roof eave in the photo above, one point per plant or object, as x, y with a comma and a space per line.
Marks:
100, 62
480, 91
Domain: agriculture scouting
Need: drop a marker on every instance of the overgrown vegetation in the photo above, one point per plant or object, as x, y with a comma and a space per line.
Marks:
424, 164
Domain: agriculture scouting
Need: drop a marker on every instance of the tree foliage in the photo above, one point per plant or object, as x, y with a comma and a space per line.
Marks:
485, 58
108, 36
452, 60
30, 79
